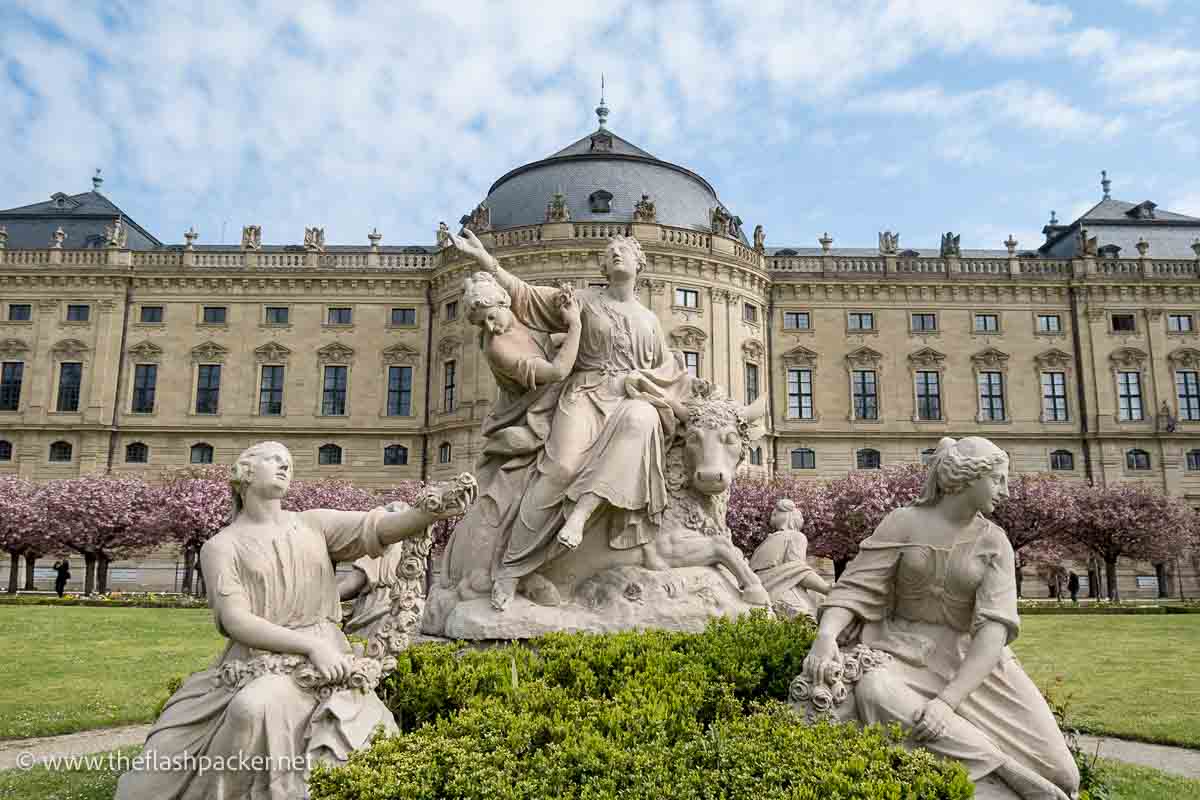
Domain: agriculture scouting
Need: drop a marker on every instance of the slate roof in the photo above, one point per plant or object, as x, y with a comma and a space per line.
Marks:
873, 252
1111, 222
83, 217
1109, 210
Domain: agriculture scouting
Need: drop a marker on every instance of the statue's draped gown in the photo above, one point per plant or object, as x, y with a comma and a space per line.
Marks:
921, 603
781, 563
285, 577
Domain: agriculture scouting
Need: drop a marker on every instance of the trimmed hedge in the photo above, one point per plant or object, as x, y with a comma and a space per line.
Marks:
630, 715
123, 600
1108, 608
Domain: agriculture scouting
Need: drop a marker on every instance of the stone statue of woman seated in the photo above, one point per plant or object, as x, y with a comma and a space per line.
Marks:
781, 562
923, 616
288, 690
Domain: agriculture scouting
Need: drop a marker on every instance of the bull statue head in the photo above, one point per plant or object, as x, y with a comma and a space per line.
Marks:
717, 437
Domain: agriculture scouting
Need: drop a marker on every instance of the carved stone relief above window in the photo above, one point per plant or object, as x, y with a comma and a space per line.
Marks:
335, 353
753, 349
401, 354
13, 349
70, 350
209, 352
272, 352
449, 346
688, 337
800, 357
990, 359
1054, 359
1185, 358
1128, 358
145, 352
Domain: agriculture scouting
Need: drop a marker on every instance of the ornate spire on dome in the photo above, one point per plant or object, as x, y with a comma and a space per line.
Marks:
1105, 183
602, 110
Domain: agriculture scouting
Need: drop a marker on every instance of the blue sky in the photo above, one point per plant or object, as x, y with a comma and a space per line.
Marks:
977, 116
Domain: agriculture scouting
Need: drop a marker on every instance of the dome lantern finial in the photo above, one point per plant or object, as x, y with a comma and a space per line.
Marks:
602, 110
1105, 183
97, 180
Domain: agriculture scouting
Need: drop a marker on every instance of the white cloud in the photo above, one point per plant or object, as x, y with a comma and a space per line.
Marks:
1157, 6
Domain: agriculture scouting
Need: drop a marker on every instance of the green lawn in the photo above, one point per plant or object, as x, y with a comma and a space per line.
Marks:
1128, 782
1131, 676
71, 669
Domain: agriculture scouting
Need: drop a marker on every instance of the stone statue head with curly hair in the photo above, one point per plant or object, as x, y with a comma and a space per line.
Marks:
265, 467
958, 464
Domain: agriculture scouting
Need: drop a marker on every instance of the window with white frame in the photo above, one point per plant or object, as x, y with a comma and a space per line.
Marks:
751, 383
860, 321
1049, 323
333, 390
1129, 396
444, 453
270, 391
987, 323
691, 362
70, 380
923, 322
208, 388
796, 321
1179, 323
1054, 396
329, 455
11, 376
688, 298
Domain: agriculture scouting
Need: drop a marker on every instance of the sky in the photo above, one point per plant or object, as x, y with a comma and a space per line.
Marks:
916, 116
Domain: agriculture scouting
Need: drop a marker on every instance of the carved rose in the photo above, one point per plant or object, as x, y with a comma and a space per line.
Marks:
412, 568
822, 699
800, 689
840, 692
852, 669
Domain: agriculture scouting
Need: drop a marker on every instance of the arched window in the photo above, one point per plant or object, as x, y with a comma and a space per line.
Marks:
756, 457
5, 450
600, 201
395, 455
867, 458
1137, 459
329, 455
60, 451
444, 453
1062, 460
804, 458
202, 453
136, 453
927, 454
1193, 458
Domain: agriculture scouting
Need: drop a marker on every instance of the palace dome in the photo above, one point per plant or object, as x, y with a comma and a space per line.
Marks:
601, 178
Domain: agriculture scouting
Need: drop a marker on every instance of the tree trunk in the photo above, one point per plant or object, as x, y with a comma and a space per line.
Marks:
1020, 576
189, 566
839, 566
1093, 582
201, 585
89, 573
1164, 580
102, 563
1110, 573
30, 561
13, 571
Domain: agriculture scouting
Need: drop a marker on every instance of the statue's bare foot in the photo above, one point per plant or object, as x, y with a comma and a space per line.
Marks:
571, 534
541, 590
502, 592
1028, 784
756, 596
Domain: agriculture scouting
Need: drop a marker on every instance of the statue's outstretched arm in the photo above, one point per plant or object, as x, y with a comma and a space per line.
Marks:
436, 502
467, 242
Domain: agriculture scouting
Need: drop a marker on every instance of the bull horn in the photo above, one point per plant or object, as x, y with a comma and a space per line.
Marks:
756, 410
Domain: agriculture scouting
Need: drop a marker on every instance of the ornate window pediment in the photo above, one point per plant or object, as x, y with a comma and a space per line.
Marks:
272, 352
990, 358
800, 357
926, 357
70, 350
1127, 358
1054, 359
752, 349
449, 346
864, 358
688, 336
64, 201
209, 351
400, 353
13, 348
145, 351
1185, 358
335, 353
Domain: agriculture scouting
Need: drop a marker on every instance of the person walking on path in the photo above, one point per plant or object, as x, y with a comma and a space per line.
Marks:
63, 568
1073, 586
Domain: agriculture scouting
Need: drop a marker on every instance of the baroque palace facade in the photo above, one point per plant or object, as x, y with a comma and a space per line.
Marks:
1079, 355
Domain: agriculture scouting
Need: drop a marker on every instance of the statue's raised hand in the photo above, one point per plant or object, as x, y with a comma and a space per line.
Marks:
445, 500
467, 242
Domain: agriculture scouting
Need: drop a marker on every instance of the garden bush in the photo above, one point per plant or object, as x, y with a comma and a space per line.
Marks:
632, 715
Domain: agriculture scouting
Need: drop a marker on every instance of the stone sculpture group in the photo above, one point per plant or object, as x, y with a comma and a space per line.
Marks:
599, 504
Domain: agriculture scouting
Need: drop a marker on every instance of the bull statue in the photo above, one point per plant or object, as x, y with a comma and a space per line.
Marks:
604, 474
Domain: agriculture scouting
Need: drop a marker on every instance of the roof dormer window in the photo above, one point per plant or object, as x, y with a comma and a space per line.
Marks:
1110, 251
1142, 211
600, 201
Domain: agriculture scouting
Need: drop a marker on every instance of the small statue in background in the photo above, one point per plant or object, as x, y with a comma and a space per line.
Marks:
781, 562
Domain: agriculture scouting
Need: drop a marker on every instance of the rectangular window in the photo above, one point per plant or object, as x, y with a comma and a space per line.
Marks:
277, 315
452, 311
1049, 323
691, 361
145, 378
404, 316
929, 395
340, 316
796, 321
750, 312
799, 394
987, 323
20, 312
208, 388
1054, 396
1187, 387
1124, 323
333, 391
78, 313
399, 402
1062, 460
270, 391
450, 386
1179, 323
866, 394
924, 322
214, 315
804, 458
151, 315
991, 396
861, 321
1129, 396
10, 385
688, 298
70, 378
751, 383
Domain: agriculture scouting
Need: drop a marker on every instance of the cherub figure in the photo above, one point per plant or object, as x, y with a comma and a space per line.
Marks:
781, 562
